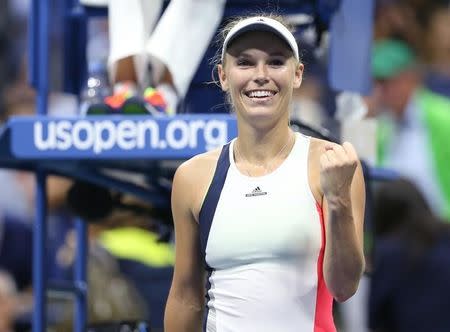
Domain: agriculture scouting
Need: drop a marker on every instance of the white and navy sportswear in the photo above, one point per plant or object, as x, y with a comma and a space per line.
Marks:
263, 242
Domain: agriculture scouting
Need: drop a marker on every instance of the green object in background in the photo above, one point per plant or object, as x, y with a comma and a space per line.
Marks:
384, 133
139, 245
436, 115
390, 57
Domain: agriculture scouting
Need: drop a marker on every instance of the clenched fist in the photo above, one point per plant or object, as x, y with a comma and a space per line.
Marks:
337, 167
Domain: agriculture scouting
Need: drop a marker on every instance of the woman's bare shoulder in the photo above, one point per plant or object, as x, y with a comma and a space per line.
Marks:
200, 162
199, 168
192, 180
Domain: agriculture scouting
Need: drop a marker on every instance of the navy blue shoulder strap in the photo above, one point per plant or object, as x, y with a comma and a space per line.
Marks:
208, 209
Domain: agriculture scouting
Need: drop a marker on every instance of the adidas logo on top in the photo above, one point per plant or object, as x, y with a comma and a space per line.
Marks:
256, 192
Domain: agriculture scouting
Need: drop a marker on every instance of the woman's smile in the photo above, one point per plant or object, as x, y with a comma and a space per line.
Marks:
260, 96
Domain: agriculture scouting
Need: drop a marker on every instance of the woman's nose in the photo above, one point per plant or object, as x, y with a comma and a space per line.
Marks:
261, 74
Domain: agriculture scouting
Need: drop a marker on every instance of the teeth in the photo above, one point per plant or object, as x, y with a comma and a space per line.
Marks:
260, 94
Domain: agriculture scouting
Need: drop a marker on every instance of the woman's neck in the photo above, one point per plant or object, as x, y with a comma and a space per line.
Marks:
259, 148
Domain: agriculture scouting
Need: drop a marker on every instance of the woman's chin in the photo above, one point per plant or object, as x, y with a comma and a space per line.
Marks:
260, 114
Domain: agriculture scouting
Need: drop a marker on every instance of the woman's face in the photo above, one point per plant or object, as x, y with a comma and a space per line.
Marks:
259, 73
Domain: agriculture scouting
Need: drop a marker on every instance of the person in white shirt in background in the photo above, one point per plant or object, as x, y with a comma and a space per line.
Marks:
172, 45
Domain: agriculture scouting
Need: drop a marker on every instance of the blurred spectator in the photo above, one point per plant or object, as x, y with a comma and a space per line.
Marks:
15, 16
111, 296
17, 204
406, 139
307, 102
424, 25
410, 289
130, 232
436, 47
19, 200
142, 255
397, 19
15, 271
146, 262
142, 39
4, 48
7, 307
433, 17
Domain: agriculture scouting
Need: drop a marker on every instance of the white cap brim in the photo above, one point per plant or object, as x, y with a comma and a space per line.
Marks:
260, 23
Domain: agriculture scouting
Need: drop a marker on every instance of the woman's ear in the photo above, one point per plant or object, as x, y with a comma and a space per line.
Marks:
298, 75
222, 77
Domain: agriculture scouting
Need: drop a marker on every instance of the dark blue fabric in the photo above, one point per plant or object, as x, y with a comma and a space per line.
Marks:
209, 206
16, 251
438, 83
325, 10
406, 297
153, 284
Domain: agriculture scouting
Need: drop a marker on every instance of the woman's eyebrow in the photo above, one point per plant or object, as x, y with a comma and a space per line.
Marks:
278, 53
244, 55
275, 53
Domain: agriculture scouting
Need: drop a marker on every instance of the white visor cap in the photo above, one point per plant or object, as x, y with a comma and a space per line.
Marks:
260, 23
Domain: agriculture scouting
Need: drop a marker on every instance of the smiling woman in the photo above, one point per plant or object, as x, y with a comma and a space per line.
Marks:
274, 218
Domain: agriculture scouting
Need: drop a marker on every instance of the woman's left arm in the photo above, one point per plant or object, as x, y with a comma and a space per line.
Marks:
342, 185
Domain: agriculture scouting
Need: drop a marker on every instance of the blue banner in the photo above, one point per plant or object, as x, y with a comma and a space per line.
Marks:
119, 137
351, 35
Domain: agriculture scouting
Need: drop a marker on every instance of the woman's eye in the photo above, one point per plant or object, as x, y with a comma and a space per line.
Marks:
243, 62
276, 62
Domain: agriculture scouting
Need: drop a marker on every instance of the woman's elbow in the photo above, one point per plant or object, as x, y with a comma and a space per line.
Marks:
345, 293
344, 290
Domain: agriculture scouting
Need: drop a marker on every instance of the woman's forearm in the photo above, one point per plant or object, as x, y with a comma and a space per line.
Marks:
182, 315
344, 258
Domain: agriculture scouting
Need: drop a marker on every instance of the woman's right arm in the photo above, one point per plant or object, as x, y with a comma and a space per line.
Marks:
184, 308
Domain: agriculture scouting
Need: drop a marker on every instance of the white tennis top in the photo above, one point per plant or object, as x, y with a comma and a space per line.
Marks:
263, 242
